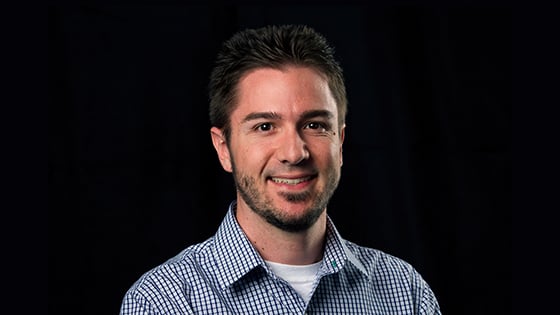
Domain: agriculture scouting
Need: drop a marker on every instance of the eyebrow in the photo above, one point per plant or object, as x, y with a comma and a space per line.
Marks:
317, 113
262, 115
275, 116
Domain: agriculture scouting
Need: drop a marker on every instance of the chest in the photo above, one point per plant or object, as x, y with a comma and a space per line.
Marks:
332, 294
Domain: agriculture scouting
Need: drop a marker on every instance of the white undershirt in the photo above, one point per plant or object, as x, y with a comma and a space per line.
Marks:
300, 277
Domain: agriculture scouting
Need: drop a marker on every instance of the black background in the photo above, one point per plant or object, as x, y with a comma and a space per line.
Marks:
133, 178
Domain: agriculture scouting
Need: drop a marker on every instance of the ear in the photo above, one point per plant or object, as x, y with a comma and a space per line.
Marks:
221, 147
341, 141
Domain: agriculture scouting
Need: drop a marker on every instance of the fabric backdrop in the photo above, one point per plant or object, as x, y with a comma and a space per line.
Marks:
133, 177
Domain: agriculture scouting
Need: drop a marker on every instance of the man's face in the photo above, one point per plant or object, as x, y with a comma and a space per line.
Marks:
285, 146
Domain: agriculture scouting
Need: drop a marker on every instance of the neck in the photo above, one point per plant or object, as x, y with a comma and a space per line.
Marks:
276, 245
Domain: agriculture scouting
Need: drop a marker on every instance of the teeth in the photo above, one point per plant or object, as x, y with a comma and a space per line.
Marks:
288, 181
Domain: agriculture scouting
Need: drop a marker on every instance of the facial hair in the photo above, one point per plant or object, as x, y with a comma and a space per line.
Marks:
263, 205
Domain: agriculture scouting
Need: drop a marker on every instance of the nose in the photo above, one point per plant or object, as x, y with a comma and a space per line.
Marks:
292, 149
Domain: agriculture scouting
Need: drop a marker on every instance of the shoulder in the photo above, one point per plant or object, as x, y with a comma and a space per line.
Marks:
173, 277
394, 278
384, 266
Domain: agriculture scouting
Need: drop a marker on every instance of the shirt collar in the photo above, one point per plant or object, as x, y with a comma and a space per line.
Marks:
235, 255
337, 254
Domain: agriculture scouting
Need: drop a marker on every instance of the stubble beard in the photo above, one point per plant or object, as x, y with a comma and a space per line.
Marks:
263, 205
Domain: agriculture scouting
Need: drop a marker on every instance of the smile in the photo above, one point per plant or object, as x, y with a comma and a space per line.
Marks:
290, 181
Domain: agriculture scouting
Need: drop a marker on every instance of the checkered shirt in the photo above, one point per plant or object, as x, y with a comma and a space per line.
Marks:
226, 275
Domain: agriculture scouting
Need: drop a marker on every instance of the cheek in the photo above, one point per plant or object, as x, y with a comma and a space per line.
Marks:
336, 153
251, 158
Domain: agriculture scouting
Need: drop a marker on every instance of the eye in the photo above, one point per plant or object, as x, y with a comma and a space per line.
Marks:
315, 126
264, 127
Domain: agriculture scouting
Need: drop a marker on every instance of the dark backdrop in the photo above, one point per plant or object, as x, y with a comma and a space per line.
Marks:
133, 178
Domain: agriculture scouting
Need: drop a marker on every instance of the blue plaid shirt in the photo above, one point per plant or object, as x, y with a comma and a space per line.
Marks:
226, 275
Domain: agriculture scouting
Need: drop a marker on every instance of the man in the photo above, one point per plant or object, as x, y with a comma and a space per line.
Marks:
277, 109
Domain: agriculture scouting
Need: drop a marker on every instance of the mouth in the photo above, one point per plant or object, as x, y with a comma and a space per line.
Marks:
290, 181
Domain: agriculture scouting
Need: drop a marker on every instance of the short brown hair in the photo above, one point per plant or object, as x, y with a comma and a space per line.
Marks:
270, 47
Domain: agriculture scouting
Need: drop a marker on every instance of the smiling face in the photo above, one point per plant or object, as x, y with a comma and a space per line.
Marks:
285, 146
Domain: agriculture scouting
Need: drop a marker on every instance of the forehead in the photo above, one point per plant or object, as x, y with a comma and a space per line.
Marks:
289, 91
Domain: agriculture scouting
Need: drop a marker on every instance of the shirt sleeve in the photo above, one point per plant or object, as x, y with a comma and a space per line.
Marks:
150, 297
429, 304
135, 304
